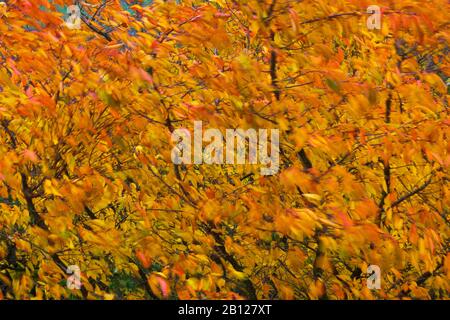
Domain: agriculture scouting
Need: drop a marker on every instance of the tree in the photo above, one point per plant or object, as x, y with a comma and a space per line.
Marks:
86, 176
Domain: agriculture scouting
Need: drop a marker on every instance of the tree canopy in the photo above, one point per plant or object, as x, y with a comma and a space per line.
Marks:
86, 176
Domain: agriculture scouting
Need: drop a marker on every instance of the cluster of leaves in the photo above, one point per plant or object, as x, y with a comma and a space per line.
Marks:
86, 176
